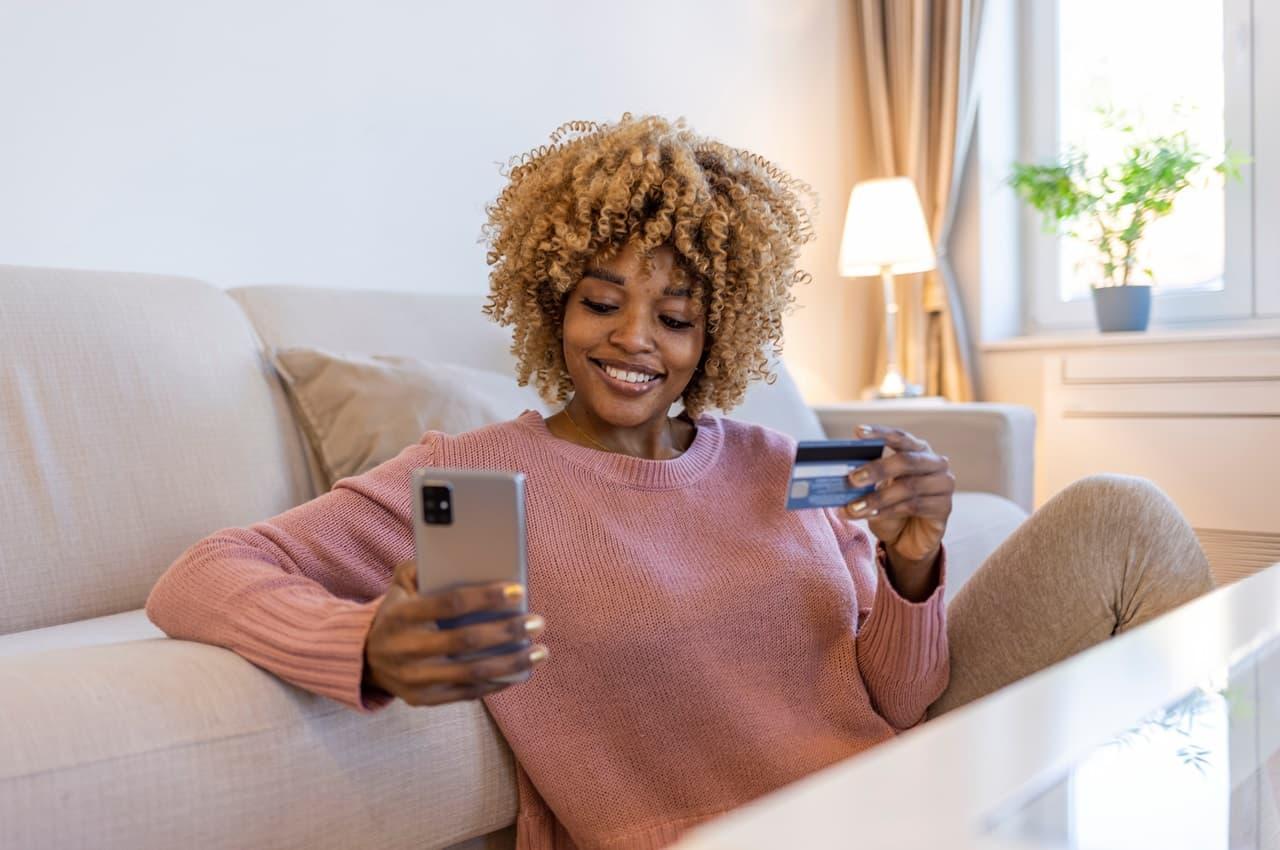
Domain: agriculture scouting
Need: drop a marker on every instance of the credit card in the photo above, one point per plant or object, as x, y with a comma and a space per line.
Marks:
820, 476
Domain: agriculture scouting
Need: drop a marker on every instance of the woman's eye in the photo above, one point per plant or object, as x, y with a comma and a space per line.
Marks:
596, 307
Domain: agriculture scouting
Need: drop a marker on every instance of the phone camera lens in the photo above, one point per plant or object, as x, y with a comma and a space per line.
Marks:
436, 507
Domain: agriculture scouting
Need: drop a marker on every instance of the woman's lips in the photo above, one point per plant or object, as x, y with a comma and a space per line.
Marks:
626, 387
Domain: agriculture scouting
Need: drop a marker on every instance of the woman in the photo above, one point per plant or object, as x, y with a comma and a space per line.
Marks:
703, 645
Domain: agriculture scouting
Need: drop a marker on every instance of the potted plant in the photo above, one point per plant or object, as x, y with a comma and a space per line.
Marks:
1110, 209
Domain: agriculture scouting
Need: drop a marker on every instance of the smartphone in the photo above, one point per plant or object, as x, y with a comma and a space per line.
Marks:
820, 474
469, 527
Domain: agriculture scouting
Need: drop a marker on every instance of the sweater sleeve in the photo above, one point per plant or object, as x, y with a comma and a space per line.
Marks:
296, 594
902, 648
901, 645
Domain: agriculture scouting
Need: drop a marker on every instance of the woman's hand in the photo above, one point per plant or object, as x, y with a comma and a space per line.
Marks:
405, 650
912, 500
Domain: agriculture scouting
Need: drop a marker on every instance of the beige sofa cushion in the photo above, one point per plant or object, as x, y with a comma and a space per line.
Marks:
136, 417
169, 743
96, 631
360, 410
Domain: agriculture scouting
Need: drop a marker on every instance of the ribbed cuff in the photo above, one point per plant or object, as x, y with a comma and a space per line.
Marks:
905, 637
315, 641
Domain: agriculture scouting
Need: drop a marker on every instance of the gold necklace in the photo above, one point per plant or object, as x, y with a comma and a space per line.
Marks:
580, 430
569, 416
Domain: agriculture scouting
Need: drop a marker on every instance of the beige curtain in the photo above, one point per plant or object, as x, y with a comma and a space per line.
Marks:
915, 59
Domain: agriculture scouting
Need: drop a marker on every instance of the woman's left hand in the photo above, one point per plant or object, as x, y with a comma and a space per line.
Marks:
908, 510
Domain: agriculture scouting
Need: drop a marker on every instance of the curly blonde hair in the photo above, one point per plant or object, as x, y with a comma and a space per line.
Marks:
735, 221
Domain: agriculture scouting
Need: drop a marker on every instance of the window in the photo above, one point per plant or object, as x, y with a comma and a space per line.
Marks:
1176, 83
1166, 65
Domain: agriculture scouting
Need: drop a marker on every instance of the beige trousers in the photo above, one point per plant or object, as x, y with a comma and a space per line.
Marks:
1106, 554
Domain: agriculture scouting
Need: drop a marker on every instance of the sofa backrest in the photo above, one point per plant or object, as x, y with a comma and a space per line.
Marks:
452, 329
137, 415
447, 328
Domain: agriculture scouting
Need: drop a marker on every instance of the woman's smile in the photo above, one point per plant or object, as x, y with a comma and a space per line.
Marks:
632, 381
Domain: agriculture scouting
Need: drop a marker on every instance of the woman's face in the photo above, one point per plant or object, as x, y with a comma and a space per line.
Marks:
631, 343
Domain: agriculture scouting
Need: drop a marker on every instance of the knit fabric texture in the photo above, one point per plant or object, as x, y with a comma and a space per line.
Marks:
707, 646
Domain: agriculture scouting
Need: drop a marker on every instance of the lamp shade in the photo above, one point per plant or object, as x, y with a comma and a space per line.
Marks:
885, 227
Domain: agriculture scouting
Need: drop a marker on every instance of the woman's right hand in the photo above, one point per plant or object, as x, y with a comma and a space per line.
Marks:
405, 652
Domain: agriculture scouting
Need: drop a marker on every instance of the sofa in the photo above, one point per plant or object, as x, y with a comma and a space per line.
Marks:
140, 413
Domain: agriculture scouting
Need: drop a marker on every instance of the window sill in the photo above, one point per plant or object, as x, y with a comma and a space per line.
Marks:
1159, 336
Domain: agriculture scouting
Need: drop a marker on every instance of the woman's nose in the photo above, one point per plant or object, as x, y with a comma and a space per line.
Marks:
634, 331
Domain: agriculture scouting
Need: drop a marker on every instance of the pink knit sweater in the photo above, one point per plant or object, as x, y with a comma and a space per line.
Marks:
707, 646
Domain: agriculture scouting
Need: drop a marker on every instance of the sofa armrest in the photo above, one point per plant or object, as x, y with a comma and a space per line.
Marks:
991, 446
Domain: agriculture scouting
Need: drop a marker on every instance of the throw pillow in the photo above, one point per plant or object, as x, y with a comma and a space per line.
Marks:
360, 410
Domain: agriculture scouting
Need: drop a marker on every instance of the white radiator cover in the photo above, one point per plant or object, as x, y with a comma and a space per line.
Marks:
1237, 554
1206, 429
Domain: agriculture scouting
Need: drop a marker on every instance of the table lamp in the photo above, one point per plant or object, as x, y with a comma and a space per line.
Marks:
885, 234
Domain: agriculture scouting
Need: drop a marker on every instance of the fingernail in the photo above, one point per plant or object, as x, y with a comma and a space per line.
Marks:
858, 507
864, 430
534, 623
513, 592
859, 476
538, 654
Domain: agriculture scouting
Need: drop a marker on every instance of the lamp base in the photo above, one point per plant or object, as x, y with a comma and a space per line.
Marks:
912, 392
908, 391
894, 386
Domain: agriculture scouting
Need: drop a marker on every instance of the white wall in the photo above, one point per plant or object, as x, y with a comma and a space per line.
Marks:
354, 144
